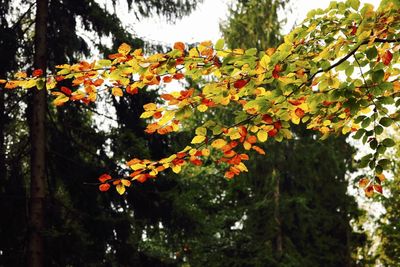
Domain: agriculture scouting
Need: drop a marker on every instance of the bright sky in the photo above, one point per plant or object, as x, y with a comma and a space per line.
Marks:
203, 24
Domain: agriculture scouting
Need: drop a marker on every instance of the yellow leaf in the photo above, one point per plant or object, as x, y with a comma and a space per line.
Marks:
120, 189
61, 99
246, 145
202, 131
116, 91
2, 81
242, 167
126, 182
327, 122
147, 114
20, 75
234, 134
150, 106
205, 152
167, 116
295, 119
218, 143
346, 129
262, 136
176, 169
265, 61
124, 49
138, 166
202, 108
198, 139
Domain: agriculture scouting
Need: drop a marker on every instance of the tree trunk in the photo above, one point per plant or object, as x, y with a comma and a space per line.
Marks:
3, 169
38, 144
277, 215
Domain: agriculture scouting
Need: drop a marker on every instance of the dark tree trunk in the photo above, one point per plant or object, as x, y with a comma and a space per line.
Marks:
3, 170
38, 144
277, 214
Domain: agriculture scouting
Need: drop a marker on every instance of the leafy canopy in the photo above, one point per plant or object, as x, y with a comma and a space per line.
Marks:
337, 73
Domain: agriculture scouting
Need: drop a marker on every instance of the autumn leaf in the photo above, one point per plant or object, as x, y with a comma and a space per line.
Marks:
116, 91
132, 90
179, 46
104, 177
218, 143
124, 49
387, 57
198, 139
369, 191
37, 73
120, 188
378, 188
104, 187
240, 83
259, 150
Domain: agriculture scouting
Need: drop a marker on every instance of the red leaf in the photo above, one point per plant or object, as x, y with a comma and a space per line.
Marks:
240, 83
267, 119
272, 132
387, 57
178, 76
277, 125
66, 90
378, 188
37, 73
132, 90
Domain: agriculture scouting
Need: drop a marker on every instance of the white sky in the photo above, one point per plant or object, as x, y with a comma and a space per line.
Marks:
203, 23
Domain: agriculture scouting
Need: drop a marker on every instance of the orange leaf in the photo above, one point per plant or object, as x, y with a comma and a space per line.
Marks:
104, 177
299, 112
116, 91
363, 182
179, 46
259, 150
369, 191
229, 175
104, 187
98, 82
167, 79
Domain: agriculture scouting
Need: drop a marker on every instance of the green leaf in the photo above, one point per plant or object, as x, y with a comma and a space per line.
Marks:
378, 130
202, 131
385, 121
349, 71
219, 45
355, 4
371, 53
359, 133
388, 142
381, 149
40, 84
377, 76
373, 144
384, 163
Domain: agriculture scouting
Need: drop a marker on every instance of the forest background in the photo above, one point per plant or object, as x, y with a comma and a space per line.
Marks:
290, 210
